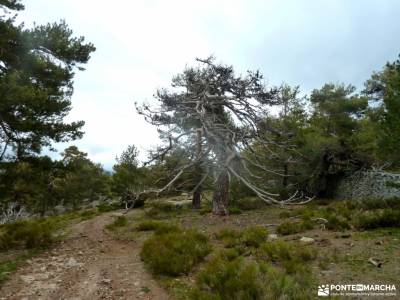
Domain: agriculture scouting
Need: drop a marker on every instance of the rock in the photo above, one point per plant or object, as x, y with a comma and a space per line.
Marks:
117, 215
368, 184
27, 278
345, 235
307, 240
326, 272
106, 281
42, 276
272, 237
59, 209
94, 203
72, 263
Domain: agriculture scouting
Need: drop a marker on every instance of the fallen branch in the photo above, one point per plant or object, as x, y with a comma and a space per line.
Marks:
376, 263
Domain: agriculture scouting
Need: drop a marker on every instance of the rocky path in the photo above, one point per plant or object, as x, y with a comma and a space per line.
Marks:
90, 264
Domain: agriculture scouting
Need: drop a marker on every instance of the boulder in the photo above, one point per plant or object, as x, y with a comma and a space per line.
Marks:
307, 240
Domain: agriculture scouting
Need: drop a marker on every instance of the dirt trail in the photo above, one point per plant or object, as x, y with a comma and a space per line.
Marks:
89, 264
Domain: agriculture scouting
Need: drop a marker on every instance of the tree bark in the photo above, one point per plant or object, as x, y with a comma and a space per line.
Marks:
221, 195
196, 200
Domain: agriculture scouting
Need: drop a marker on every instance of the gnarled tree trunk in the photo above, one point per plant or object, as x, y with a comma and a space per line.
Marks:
221, 194
196, 200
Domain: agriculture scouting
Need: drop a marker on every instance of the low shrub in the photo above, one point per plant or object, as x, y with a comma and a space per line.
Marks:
120, 221
393, 184
106, 207
205, 210
227, 233
167, 228
169, 206
229, 237
373, 220
238, 278
234, 211
174, 253
88, 214
278, 251
229, 254
307, 213
157, 226
230, 279
164, 209
344, 209
285, 214
372, 204
291, 257
148, 225
253, 236
337, 223
29, 234
287, 228
250, 203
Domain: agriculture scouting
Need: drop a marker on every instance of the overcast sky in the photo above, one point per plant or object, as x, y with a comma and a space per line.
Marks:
141, 44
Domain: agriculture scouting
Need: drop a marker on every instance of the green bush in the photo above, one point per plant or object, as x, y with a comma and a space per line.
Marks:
287, 228
148, 225
157, 226
373, 220
308, 212
253, 236
167, 228
118, 222
372, 204
250, 203
234, 211
279, 251
336, 223
393, 184
229, 254
292, 257
174, 253
229, 237
106, 207
164, 209
205, 210
285, 214
235, 279
227, 233
169, 206
89, 214
238, 278
29, 234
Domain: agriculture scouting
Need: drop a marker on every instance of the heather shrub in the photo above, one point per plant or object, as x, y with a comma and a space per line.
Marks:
175, 253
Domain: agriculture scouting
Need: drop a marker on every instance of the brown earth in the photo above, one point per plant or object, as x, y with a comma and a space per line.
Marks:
89, 264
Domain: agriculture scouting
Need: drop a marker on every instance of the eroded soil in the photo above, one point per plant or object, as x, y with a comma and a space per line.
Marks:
89, 264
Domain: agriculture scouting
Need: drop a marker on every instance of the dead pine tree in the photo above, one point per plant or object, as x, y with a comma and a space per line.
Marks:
216, 114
